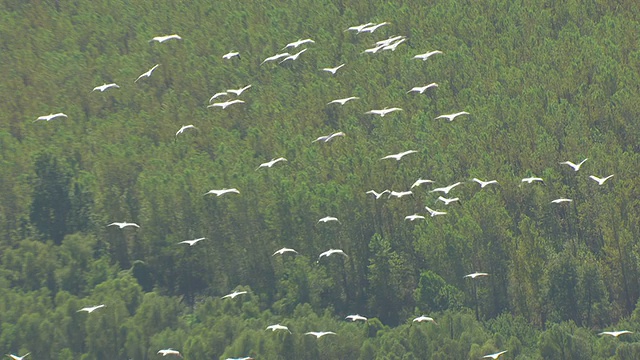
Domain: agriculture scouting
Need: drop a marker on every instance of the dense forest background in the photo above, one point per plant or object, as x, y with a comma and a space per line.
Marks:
543, 81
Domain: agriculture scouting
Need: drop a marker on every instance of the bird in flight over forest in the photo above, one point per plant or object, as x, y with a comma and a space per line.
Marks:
484, 183
600, 181
104, 87
230, 55
331, 252
233, 294
389, 41
342, 101
223, 191
532, 179
124, 224
560, 200
293, 57
271, 163
373, 50
328, 138
400, 194
420, 182
295, 44
450, 117
575, 167
164, 38
422, 89
423, 318
446, 189
377, 195
374, 27
356, 318
427, 55
328, 218
393, 46
383, 112
435, 212
399, 156
238, 91
192, 242
447, 201
494, 356
319, 334
333, 69
148, 73
359, 28
277, 327
284, 250
185, 127
226, 104
275, 57
16, 357
169, 351
414, 217
475, 275
615, 333
50, 117
91, 308
217, 95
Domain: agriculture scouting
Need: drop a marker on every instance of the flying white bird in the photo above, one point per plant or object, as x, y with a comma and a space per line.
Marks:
383, 112
372, 28
342, 101
271, 163
373, 50
233, 294
319, 334
217, 95
277, 327
223, 191
422, 89
191, 242
423, 318
560, 200
331, 252
393, 46
162, 39
124, 224
450, 117
328, 138
532, 179
356, 318
475, 275
295, 44
359, 27
91, 309
50, 117
148, 73
446, 189
104, 87
399, 156
376, 194
226, 103
242, 358
494, 356
484, 183
575, 167
600, 180
414, 217
169, 351
275, 57
230, 55
333, 69
615, 333
390, 40
239, 91
400, 194
420, 182
435, 212
447, 201
293, 57
185, 127
284, 250
426, 55
16, 357
328, 218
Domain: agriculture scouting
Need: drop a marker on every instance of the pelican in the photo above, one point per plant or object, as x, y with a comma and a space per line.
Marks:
295, 44
233, 294
271, 163
356, 318
185, 127
399, 156
390, 40
223, 191
420, 182
277, 327
225, 104
447, 201
414, 217
328, 218
284, 250
191, 242
494, 356
422, 89
162, 39
230, 55
575, 167
239, 91
393, 46
217, 95
319, 334
615, 333
376, 194
331, 252
148, 73
484, 183
359, 27
293, 57
374, 27
435, 212
450, 117
426, 55
328, 138
400, 194
446, 189
16, 357
342, 101
124, 224
373, 50
384, 111
104, 87
333, 69
423, 318
475, 275
532, 179
91, 309
275, 57
560, 200
600, 180
169, 351
50, 117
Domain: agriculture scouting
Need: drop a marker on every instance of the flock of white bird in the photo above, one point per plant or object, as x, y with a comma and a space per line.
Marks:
388, 44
